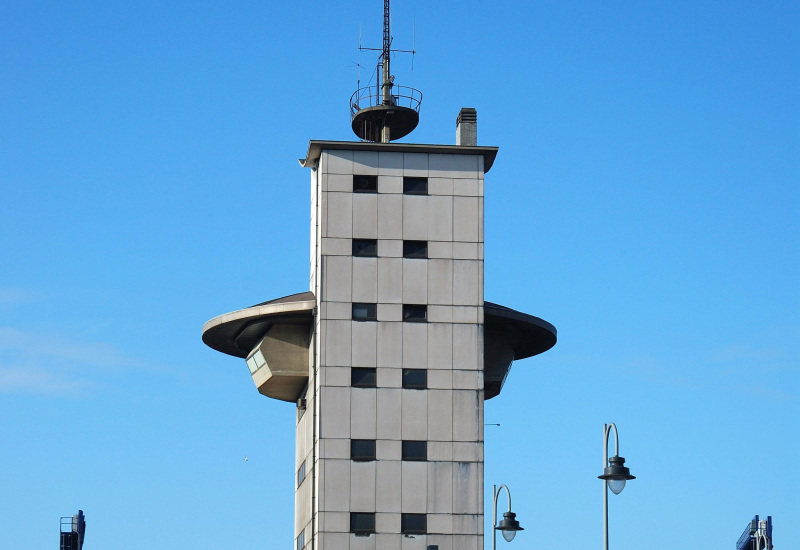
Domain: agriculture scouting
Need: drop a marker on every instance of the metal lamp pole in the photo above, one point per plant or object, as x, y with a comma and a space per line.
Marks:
509, 525
615, 474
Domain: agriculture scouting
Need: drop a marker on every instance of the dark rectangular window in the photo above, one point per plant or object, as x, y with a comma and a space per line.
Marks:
365, 312
415, 186
415, 450
365, 184
415, 379
301, 473
365, 248
415, 249
362, 523
301, 540
414, 313
363, 377
413, 524
362, 450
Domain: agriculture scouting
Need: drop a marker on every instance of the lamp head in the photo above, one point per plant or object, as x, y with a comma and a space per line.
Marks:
616, 474
509, 526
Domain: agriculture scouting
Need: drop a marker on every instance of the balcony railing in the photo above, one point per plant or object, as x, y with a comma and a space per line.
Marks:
372, 96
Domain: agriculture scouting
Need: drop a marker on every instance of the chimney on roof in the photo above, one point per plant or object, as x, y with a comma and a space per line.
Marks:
467, 127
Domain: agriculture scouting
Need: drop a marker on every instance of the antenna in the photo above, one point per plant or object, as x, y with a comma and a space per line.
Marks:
387, 111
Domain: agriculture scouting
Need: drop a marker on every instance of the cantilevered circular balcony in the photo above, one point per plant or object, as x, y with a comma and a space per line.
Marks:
280, 330
371, 112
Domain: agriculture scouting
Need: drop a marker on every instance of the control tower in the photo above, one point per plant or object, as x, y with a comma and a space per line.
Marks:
389, 356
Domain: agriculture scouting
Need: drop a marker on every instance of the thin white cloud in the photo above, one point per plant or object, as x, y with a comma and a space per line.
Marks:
54, 365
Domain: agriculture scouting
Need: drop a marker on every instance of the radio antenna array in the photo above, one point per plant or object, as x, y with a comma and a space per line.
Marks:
387, 111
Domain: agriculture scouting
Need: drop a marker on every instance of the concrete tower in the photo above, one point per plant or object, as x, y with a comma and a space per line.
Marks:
390, 355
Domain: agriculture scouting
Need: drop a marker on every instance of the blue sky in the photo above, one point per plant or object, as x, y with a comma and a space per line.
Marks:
645, 200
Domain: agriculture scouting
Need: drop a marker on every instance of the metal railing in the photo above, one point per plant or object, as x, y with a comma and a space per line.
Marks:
372, 96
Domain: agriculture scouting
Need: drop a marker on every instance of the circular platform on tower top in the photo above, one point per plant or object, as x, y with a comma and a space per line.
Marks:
509, 335
370, 112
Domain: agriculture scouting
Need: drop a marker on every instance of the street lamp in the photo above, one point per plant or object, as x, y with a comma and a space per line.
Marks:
509, 525
615, 475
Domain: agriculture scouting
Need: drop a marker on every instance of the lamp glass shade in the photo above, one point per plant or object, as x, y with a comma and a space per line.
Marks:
616, 485
509, 535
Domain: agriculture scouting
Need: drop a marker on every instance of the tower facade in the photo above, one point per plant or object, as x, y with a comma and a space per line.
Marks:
391, 353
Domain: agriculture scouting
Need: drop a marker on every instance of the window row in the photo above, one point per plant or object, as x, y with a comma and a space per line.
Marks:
368, 248
369, 184
367, 377
363, 450
412, 313
363, 523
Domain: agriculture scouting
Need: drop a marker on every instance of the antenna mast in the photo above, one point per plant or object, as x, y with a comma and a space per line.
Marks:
387, 111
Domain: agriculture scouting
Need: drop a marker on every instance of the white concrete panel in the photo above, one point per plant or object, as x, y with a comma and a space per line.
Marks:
363, 543
465, 314
415, 164
415, 485
365, 163
390, 345
339, 183
334, 540
466, 251
440, 488
440, 314
466, 346
338, 272
337, 247
440, 415
440, 346
466, 277
466, 219
387, 522
336, 480
453, 166
333, 448
363, 413
362, 488
467, 380
467, 484
388, 542
415, 217
389, 449
440, 282
414, 423
466, 187
391, 184
335, 416
469, 524
365, 216
391, 377
415, 281
415, 345
440, 186
466, 415
440, 379
365, 280
389, 413
390, 312
467, 451
440, 218
337, 376
390, 279
339, 215
480, 219
336, 310
390, 164
388, 486
390, 216
440, 451
439, 249
415, 543
390, 248
337, 338
365, 344
337, 162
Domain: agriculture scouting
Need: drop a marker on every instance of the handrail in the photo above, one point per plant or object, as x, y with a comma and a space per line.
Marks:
372, 96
